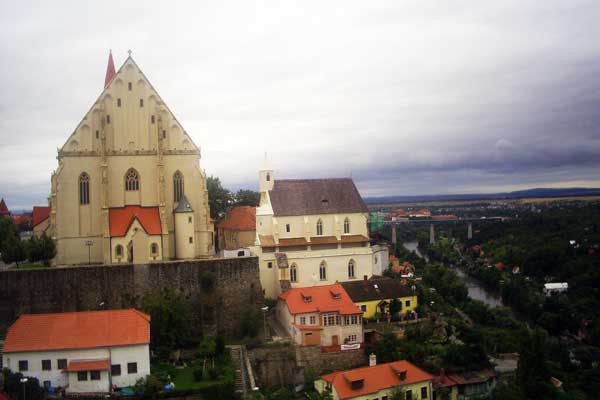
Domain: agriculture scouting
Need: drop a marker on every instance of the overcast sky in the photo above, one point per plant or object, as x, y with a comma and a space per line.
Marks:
407, 97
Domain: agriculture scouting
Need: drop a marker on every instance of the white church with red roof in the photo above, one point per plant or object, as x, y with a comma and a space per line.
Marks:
129, 187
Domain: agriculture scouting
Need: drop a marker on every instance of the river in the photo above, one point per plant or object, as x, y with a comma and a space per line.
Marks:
475, 289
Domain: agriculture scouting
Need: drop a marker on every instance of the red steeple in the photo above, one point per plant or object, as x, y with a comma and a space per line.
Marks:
3, 209
110, 70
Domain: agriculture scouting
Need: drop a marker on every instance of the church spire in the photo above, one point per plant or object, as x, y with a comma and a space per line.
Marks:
110, 70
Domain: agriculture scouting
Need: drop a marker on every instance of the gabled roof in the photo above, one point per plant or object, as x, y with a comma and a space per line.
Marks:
376, 289
183, 205
241, 218
120, 219
3, 208
375, 378
88, 365
327, 298
316, 196
39, 215
77, 330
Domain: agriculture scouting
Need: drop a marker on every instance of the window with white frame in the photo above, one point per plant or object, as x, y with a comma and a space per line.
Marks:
313, 320
352, 339
302, 320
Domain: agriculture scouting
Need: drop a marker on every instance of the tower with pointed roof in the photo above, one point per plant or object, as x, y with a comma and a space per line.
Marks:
122, 173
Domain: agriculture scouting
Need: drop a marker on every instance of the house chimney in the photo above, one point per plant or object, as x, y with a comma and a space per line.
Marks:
372, 360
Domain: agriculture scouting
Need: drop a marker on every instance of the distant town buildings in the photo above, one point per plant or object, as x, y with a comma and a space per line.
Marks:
40, 220
128, 187
555, 288
81, 352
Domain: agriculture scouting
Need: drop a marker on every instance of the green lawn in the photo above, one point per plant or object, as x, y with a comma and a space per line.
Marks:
29, 266
184, 378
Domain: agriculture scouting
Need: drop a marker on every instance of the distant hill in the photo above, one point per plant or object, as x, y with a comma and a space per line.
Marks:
519, 194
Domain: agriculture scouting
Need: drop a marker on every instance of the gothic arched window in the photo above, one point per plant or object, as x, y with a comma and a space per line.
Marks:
132, 180
323, 271
293, 273
351, 269
319, 227
346, 225
177, 186
84, 188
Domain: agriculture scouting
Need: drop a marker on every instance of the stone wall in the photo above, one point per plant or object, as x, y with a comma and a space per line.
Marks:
276, 366
236, 287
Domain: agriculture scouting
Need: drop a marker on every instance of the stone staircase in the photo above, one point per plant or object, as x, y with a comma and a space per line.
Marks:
237, 358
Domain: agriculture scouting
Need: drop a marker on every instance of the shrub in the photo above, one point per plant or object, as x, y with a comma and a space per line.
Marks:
198, 375
213, 373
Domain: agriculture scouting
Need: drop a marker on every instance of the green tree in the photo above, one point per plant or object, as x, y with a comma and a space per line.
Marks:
170, 314
534, 370
219, 198
13, 250
244, 197
8, 228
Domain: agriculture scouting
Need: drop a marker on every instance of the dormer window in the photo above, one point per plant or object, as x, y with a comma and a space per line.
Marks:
307, 299
357, 384
335, 295
325, 202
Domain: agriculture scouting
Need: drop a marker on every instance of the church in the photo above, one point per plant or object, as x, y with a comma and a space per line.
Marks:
129, 187
312, 232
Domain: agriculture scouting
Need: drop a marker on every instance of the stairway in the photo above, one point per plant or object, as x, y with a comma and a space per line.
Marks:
240, 375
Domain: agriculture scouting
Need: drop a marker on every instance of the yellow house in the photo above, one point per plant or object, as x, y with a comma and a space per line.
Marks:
378, 382
129, 186
373, 296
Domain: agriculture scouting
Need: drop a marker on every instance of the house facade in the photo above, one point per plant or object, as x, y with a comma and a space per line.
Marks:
321, 316
321, 227
237, 230
129, 163
82, 352
40, 220
378, 382
374, 296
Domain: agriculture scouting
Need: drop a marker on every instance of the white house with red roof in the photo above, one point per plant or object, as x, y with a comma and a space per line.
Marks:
378, 381
82, 352
321, 315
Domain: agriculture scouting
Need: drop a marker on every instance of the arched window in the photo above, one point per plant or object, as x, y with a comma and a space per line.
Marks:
293, 273
323, 271
346, 225
319, 227
84, 188
351, 269
119, 251
132, 180
154, 249
177, 186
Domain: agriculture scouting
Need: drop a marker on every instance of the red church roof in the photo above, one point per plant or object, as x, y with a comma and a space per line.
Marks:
3, 209
77, 330
40, 214
327, 298
110, 70
120, 219
242, 218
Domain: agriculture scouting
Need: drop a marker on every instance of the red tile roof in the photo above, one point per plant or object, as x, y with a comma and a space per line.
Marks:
40, 214
120, 219
3, 208
323, 299
88, 365
241, 218
77, 330
375, 378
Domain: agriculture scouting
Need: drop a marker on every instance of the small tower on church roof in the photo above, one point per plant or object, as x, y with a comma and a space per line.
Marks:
110, 70
265, 176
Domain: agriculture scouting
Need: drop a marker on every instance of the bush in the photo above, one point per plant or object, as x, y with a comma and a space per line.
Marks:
250, 322
213, 373
198, 375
